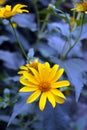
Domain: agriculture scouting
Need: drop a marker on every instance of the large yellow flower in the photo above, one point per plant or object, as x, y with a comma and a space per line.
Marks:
7, 11
81, 7
44, 83
2, 2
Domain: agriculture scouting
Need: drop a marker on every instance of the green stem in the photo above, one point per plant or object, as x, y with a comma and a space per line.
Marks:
78, 16
63, 51
46, 18
37, 14
44, 24
18, 39
60, 11
77, 39
38, 23
40, 30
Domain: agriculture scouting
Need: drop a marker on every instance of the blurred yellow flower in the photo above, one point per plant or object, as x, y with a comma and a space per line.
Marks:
73, 23
14, 24
43, 82
7, 11
2, 2
26, 68
81, 7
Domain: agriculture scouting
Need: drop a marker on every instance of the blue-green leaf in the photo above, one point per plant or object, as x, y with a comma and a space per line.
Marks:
21, 107
76, 71
52, 118
11, 60
3, 39
25, 21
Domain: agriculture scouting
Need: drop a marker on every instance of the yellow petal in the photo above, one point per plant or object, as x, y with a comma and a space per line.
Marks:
44, 70
53, 72
31, 78
36, 60
27, 83
18, 6
59, 100
81, 7
58, 75
35, 73
27, 89
40, 69
24, 81
21, 72
60, 84
51, 99
24, 10
18, 11
42, 101
47, 65
23, 68
8, 7
34, 96
6, 12
57, 93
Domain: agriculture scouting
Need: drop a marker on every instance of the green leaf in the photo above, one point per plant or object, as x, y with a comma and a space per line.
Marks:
80, 124
44, 11
47, 51
75, 70
58, 2
3, 39
52, 118
25, 21
5, 118
7, 57
21, 107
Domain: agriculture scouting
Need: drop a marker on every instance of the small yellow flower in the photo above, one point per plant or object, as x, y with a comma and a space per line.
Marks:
73, 23
14, 25
2, 2
43, 82
81, 7
8, 12
26, 68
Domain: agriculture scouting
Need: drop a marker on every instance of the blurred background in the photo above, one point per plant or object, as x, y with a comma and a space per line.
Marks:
43, 33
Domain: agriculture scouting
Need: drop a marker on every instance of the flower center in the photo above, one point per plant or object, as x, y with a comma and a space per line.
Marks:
44, 86
2, 1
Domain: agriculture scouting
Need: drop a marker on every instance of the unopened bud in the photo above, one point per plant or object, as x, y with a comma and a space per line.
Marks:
51, 7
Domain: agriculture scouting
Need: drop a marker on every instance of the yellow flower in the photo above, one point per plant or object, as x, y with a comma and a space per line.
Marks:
44, 84
26, 68
7, 11
14, 24
2, 2
81, 7
73, 23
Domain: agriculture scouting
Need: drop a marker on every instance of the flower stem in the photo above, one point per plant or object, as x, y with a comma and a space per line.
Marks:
44, 24
62, 56
17, 39
46, 18
37, 14
77, 39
